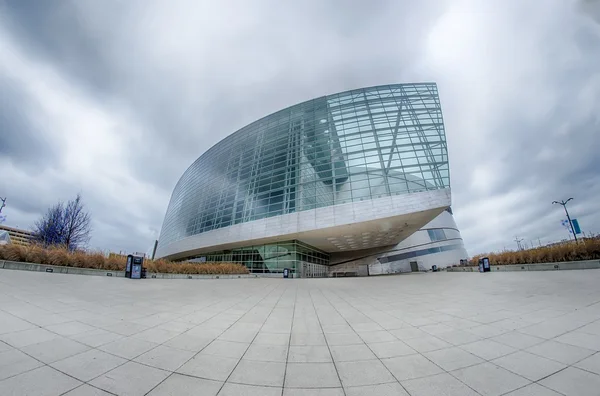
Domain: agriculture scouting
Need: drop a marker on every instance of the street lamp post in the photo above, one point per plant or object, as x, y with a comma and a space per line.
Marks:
564, 204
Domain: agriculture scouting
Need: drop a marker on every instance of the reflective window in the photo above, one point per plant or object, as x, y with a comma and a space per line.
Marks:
436, 235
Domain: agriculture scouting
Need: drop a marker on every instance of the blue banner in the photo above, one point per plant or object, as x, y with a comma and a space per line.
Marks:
576, 226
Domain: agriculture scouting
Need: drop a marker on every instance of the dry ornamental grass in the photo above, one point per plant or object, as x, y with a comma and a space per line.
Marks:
94, 260
586, 249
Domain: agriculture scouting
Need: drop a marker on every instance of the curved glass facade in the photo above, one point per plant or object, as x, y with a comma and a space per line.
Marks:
351, 146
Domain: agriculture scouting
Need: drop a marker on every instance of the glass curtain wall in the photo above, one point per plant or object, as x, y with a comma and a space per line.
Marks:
271, 258
356, 145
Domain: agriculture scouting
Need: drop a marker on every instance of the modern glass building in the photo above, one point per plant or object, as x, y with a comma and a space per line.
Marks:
316, 183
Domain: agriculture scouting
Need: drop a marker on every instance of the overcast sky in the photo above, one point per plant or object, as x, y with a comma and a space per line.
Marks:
115, 99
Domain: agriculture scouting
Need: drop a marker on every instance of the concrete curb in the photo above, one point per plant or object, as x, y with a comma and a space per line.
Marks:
564, 265
14, 265
58, 269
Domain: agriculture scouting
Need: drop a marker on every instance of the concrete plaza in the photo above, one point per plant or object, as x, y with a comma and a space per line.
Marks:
533, 333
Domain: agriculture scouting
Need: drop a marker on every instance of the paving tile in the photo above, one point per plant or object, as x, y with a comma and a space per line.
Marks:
580, 339
13, 362
367, 372
452, 358
88, 365
189, 342
264, 338
334, 339
486, 331
573, 382
132, 379
439, 385
231, 389
43, 381
164, 357
23, 338
55, 349
457, 337
70, 328
518, 340
560, 352
183, 385
411, 366
366, 326
96, 338
427, 344
87, 390
300, 339
313, 392
530, 366
226, 349
377, 336
407, 333
10, 324
389, 389
267, 353
309, 354
533, 390
125, 328
592, 364
391, 349
351, 353
489, 379
488, 349
258, 373
128, 347
592, 328
209, 366
311, 375
176, 326
155, 335
238, 335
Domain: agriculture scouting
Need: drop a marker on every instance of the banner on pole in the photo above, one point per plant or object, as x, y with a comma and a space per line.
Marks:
576, 226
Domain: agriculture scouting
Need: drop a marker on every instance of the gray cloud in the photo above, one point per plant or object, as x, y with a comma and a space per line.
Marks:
117, 99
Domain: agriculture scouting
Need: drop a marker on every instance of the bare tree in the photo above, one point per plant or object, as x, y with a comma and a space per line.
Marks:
67, 225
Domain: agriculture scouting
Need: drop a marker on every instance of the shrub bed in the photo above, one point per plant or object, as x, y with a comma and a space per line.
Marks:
94, 260
587, 249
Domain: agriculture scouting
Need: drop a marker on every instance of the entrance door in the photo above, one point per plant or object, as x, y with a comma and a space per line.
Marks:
414, 267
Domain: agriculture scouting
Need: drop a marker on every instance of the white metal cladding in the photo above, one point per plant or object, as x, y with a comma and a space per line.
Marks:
348, 147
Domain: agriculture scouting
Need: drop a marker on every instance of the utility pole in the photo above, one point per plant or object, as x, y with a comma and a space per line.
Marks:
564, 204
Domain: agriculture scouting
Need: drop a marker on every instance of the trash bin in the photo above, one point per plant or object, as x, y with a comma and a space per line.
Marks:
136, 267
434, 268
286, 273
484, 264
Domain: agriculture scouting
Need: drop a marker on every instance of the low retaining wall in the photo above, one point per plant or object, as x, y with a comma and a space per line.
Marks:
564, 265
14, 265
